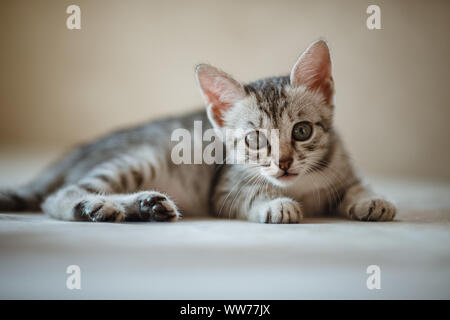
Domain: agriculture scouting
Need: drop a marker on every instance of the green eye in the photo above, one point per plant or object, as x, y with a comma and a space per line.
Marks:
302, 131
256, 140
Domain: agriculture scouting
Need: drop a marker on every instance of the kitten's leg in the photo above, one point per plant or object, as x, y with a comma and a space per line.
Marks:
360, 203
74, 203
256, 204
103, 195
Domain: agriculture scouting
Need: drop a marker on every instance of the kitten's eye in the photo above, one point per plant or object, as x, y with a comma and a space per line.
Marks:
256, 140
302, 131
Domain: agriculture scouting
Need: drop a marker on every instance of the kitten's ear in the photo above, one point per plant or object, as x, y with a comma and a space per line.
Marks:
313, 69
219, 90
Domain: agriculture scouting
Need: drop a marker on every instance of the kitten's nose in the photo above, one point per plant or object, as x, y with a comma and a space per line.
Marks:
285, 164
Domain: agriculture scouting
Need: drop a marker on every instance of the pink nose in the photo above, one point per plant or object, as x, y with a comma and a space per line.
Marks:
285, 164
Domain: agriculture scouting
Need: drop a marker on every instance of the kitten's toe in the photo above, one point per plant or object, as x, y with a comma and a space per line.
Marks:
373, 210
99, 210
158, 207
283, 210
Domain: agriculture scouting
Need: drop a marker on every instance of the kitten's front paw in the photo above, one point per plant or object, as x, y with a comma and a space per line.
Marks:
157, 206
281, 210
99, 210
372, 210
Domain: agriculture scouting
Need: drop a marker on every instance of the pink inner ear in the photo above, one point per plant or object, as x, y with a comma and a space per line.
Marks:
218, 107
313, 69
212, 97
217, 113
220, 98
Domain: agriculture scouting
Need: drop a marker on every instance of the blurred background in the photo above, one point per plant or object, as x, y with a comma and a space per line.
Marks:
134, 60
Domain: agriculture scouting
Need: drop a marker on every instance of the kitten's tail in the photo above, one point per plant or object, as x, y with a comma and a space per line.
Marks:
31, 196
16, 201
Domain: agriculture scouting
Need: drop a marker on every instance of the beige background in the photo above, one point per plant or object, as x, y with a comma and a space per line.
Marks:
134, 60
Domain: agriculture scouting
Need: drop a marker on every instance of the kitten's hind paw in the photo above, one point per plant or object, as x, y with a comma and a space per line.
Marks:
373, 210
157, 206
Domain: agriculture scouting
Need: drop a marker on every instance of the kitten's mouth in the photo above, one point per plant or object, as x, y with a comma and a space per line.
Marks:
286, 176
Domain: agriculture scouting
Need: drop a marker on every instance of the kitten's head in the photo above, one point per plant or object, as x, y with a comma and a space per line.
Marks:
299, 107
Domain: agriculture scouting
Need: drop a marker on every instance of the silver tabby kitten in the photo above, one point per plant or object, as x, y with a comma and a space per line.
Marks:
129, 175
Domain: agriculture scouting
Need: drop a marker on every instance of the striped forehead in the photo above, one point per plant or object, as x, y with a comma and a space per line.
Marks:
279, 105
271, 99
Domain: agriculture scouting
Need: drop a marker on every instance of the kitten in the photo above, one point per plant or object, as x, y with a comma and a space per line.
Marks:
129, 175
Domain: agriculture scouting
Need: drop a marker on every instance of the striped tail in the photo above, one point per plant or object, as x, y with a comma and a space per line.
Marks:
17, 201
31, 196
